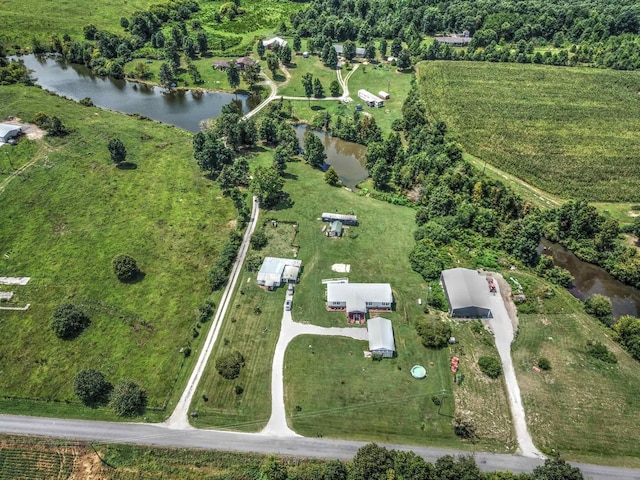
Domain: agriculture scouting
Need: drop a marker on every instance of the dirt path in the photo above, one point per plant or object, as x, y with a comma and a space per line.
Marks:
42, 153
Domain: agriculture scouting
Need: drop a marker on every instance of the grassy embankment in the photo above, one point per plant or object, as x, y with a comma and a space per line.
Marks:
361, 410
61, 224
569, 131
24, 20
583, 408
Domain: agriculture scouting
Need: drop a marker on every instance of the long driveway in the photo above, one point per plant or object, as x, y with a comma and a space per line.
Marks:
179, 418
503, 336
289, 329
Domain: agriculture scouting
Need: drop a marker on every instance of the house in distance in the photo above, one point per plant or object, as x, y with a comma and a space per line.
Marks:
277, 271
272, 42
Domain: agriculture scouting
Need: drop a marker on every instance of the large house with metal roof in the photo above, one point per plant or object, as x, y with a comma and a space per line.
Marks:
381, 340
467, 292
358, 298
276, 271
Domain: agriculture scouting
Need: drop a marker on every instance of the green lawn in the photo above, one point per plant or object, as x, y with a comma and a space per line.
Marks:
569, 131
61, 224
583, 408
299, 67
381, 77
23, 20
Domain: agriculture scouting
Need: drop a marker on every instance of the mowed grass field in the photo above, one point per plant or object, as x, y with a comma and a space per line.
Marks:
61, 224
299, 67
570, 131
583, 408
25, 20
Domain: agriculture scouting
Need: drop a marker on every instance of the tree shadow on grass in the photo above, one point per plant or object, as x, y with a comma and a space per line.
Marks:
290, 176
127, 166
317, 108
133, 280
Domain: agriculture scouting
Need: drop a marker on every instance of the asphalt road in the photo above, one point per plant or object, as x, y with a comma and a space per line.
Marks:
158, 435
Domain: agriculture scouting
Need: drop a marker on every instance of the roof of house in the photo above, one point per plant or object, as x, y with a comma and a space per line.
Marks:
356, 295
453, 39
246, 60
380, 334
339, 216
339, 48
221, 63
6, 128
280, 41
273, 268
465, 288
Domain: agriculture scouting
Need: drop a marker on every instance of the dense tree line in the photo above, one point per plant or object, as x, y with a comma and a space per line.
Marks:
373, 462
597, 32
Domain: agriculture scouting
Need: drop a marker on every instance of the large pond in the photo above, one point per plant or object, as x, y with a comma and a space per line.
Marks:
590, 279
184, 109
347, 158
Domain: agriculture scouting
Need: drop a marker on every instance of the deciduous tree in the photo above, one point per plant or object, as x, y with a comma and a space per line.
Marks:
128, 399
314, 153
117, 150
266, 185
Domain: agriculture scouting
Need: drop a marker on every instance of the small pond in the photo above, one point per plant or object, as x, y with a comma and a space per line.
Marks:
590, 279
348, 158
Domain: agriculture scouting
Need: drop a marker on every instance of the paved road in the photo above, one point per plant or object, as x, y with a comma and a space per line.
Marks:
503, 336
158, 435
179, 418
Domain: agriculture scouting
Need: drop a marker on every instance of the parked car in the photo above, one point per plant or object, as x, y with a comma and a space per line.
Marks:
287, 305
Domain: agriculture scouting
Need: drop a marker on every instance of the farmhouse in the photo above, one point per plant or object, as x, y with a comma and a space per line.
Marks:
455, 40
467, 292
8, 131
276, 271
381, 337
335, 229
358, 298
272, 42
345, 219
340, 50
245, 62
370, 99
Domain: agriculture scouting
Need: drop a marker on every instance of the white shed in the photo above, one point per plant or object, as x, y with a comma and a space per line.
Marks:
381, 337
9, 131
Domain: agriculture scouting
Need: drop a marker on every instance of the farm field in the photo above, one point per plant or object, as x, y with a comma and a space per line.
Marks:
583, 407
61, 224
569, 131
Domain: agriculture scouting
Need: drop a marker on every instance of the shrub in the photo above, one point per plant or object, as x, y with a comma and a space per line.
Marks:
205, 311
544, 364
126, 268
117, 150
186, 352
259, 239
52, 124
87, 102
239, 389
91, 387
599, 351
217, 277
434, 333
128, 399
376, 357
69, 321
463, 425
229, 365
599, 306
490, 366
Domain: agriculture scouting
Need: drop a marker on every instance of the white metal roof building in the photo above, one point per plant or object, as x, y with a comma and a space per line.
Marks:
370, 99
345, 219
359, 297
381, 336
467, 292
339, 48
273, 41
276, 270
8, 131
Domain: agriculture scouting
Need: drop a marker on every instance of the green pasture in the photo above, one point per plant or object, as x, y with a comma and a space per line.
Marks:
62, 222
583, 408
568, 131
299, 67
378, 77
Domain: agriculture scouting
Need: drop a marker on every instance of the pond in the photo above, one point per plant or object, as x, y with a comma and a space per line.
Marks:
348, 158
182, 108
590, 279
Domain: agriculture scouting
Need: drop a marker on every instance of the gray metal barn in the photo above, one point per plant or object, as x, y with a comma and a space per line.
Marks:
381, 337
8, 131
467, 292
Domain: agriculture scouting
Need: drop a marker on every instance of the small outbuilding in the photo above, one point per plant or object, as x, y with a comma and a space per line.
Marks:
467, 293
381, 339
9, 131
384, 95
345, 219
335, 229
